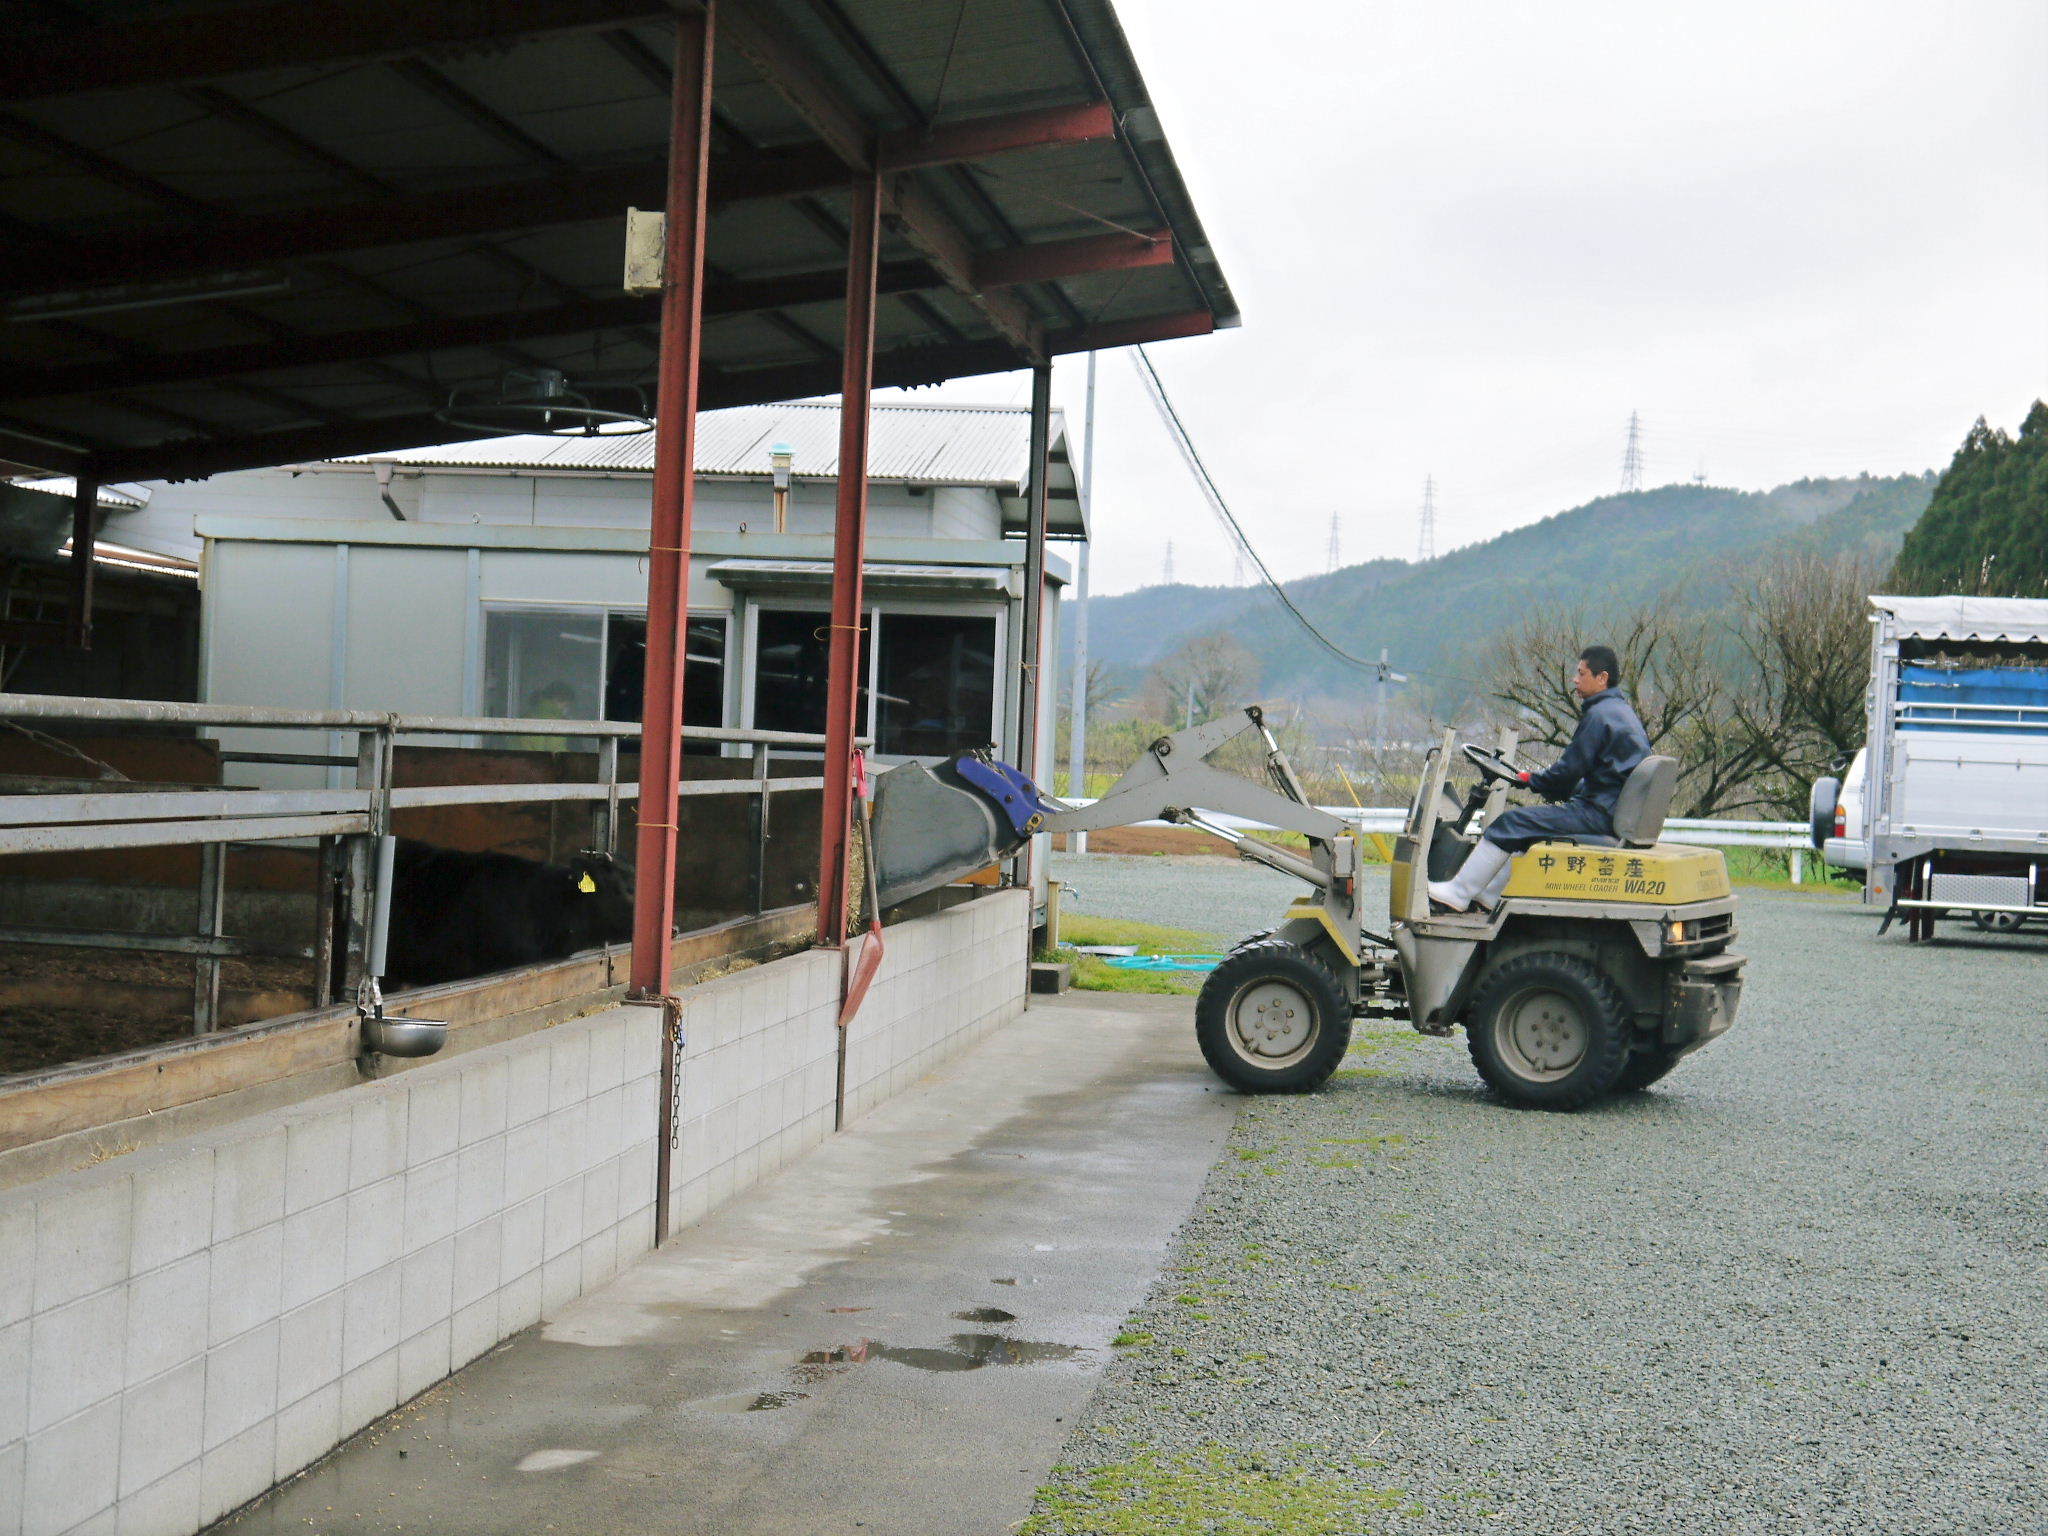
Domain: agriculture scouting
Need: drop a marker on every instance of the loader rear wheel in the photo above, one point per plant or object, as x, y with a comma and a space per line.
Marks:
1549, 1030
1272, 1020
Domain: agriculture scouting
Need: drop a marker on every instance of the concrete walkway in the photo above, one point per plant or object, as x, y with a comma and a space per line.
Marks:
895, 1334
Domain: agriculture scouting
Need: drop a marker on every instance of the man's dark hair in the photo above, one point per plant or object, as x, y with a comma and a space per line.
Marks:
1601, 659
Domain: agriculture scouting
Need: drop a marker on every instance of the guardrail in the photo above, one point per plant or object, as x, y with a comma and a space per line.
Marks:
347, 823
1792, 836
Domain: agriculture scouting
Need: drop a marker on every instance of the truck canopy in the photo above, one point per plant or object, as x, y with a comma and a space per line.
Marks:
2011, 619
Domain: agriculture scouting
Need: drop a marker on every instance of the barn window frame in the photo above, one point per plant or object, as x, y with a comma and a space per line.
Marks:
606, 615
875, 619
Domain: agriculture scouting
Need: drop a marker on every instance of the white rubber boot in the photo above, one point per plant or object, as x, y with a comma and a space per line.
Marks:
1483, 865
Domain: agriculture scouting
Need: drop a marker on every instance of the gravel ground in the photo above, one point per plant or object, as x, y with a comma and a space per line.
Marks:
1796, 1288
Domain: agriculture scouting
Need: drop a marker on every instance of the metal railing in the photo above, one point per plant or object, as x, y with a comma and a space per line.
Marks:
1794, 837
348, 824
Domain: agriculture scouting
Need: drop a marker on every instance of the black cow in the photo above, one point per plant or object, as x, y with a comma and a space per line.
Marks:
455, 915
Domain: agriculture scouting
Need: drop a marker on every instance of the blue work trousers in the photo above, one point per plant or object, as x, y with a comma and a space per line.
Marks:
1521, 827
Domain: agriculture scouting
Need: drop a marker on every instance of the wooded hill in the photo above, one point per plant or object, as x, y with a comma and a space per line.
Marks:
1986, 529
1688, 540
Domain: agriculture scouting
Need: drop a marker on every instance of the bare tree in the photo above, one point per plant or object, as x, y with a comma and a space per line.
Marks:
1204, 677
1676, 668
1805, 632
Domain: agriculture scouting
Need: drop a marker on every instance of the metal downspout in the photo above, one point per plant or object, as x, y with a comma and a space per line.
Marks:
668, 560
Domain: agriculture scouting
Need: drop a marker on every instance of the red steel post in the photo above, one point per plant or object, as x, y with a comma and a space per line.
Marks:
668, 555
849, 551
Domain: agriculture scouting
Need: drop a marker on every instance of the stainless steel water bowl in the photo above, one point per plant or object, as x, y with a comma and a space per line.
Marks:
403, 1037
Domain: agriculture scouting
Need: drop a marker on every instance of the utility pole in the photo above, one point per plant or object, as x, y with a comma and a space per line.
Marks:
1077, 725
1335, 553
1384, 676
1632, 456
1425, 543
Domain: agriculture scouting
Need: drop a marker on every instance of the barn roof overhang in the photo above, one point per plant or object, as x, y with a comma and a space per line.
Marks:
250, 232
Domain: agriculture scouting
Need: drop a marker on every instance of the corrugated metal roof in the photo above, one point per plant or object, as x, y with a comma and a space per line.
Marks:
1967, 618
125, 497
987, 445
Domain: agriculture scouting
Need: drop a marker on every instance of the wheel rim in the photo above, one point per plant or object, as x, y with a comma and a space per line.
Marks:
1542, 1035
1998, 922
1272, 1023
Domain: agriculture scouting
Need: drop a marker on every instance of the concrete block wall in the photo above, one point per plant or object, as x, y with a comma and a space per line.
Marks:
760, 1060
759, 1084
182, 1327
945, 982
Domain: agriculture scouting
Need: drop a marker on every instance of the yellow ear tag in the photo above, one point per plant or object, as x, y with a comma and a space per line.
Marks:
587, 886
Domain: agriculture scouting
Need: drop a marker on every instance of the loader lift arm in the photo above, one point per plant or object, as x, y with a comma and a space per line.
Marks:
1173, 782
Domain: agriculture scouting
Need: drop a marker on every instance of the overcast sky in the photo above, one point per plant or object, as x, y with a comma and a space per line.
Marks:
1799, 236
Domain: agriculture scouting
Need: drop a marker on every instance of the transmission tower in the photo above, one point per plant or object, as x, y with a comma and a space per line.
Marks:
1166, 575
1699, 476
1632, 456
1425, 542
1335, 553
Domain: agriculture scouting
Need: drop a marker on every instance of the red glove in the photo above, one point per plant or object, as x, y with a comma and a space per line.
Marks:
1524, 775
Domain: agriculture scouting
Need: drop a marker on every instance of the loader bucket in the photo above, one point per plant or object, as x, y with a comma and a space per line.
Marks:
933, 826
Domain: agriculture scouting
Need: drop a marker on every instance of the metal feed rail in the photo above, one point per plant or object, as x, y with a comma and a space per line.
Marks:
348, 823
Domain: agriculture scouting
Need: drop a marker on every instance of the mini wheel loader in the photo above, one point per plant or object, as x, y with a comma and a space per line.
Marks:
1605, 961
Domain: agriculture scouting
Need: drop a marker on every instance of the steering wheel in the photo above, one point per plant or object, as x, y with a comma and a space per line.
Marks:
1491, 764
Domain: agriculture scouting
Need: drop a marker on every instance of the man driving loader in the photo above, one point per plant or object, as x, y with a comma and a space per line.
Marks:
1609, 741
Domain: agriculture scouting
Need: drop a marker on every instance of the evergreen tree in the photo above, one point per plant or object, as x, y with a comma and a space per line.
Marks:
1985, 532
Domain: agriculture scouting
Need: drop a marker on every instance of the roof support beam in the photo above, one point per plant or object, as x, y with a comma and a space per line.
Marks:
194, 45
556, 197
175, 461
809, 92
989, 270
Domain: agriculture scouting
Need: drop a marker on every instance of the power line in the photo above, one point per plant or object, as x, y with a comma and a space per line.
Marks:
1632, 456
1177, 430
1425, 542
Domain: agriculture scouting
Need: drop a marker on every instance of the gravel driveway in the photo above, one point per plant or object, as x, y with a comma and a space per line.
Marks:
1796, 1288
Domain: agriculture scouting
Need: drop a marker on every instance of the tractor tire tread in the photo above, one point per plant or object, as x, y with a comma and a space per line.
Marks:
1262, 956
1608, 1050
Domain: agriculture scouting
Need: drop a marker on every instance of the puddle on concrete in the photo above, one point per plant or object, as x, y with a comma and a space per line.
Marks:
963, 1352
552, 1461
1014, 1280
846, 1309
752, 1402
985, 1315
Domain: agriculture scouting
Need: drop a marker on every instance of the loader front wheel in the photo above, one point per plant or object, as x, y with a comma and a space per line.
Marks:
1549, 1030
1272, 1020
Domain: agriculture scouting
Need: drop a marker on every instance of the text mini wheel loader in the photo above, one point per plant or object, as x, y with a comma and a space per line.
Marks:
1605, 961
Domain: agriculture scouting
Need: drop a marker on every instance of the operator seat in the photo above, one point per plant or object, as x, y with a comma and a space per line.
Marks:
1640, 808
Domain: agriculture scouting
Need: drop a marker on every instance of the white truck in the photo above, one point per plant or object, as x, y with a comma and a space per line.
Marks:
1947, 805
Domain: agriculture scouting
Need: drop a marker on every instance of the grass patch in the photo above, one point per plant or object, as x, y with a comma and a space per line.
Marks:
1094, 974
1771, 869
1211, 1491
